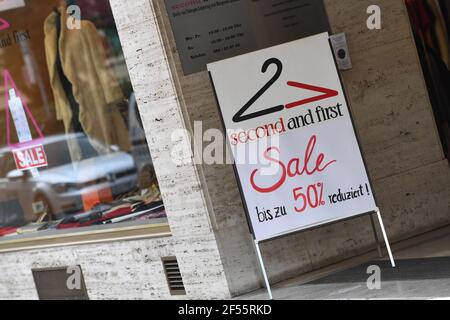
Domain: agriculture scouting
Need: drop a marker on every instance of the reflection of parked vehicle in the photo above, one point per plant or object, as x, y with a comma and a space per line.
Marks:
61, 185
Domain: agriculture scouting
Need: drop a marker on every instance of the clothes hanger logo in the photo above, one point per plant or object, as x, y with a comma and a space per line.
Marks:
325, 93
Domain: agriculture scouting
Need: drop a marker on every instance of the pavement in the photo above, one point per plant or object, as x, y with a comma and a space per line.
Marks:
422, 272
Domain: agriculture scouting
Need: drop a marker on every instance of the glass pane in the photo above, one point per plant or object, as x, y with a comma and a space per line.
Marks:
73, 151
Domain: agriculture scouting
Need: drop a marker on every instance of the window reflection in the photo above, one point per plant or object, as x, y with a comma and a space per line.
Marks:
74, 152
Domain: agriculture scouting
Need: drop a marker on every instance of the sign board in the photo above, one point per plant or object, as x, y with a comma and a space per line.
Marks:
210, 30
30, 158
286, 105
11, 4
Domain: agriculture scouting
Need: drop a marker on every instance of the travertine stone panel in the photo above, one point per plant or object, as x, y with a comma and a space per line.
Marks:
120, 270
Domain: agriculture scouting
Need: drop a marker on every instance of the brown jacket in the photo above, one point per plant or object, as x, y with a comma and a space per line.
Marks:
96, 90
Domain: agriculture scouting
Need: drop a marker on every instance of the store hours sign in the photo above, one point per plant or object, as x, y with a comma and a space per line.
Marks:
211, 30
286, 105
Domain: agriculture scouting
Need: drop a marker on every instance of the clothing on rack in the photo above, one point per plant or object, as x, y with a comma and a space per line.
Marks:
8, 231
95, 91
32, 227
154, 213
95, 216
118, 211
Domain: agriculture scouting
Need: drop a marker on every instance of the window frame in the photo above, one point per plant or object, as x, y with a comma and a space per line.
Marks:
146, 231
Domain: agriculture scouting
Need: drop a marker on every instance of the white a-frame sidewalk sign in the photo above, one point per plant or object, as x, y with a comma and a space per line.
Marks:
290, 130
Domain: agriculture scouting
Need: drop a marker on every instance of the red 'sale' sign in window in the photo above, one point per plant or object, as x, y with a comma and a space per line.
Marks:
30, 158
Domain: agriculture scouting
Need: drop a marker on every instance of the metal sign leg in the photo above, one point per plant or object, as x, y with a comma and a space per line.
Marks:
263, 269
375, 234
386, 240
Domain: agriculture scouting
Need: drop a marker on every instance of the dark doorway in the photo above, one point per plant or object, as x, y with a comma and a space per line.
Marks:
430, 24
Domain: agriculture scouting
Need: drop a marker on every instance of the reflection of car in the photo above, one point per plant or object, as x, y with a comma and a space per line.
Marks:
61, 185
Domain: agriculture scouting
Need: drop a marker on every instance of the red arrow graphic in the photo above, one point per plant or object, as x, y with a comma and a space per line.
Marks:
4, 24
326, 93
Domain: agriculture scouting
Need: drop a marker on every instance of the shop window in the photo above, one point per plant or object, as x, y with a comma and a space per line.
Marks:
73, 153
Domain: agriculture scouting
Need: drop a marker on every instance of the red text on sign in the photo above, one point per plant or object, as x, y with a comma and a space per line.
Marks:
294, 168
312, 198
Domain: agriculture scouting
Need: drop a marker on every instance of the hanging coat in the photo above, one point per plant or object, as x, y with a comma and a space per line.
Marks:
94, 86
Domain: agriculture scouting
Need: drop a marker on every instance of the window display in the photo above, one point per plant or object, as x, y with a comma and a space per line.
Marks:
73, 153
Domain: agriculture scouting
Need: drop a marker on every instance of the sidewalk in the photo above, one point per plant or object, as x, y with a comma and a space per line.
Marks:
422, 272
